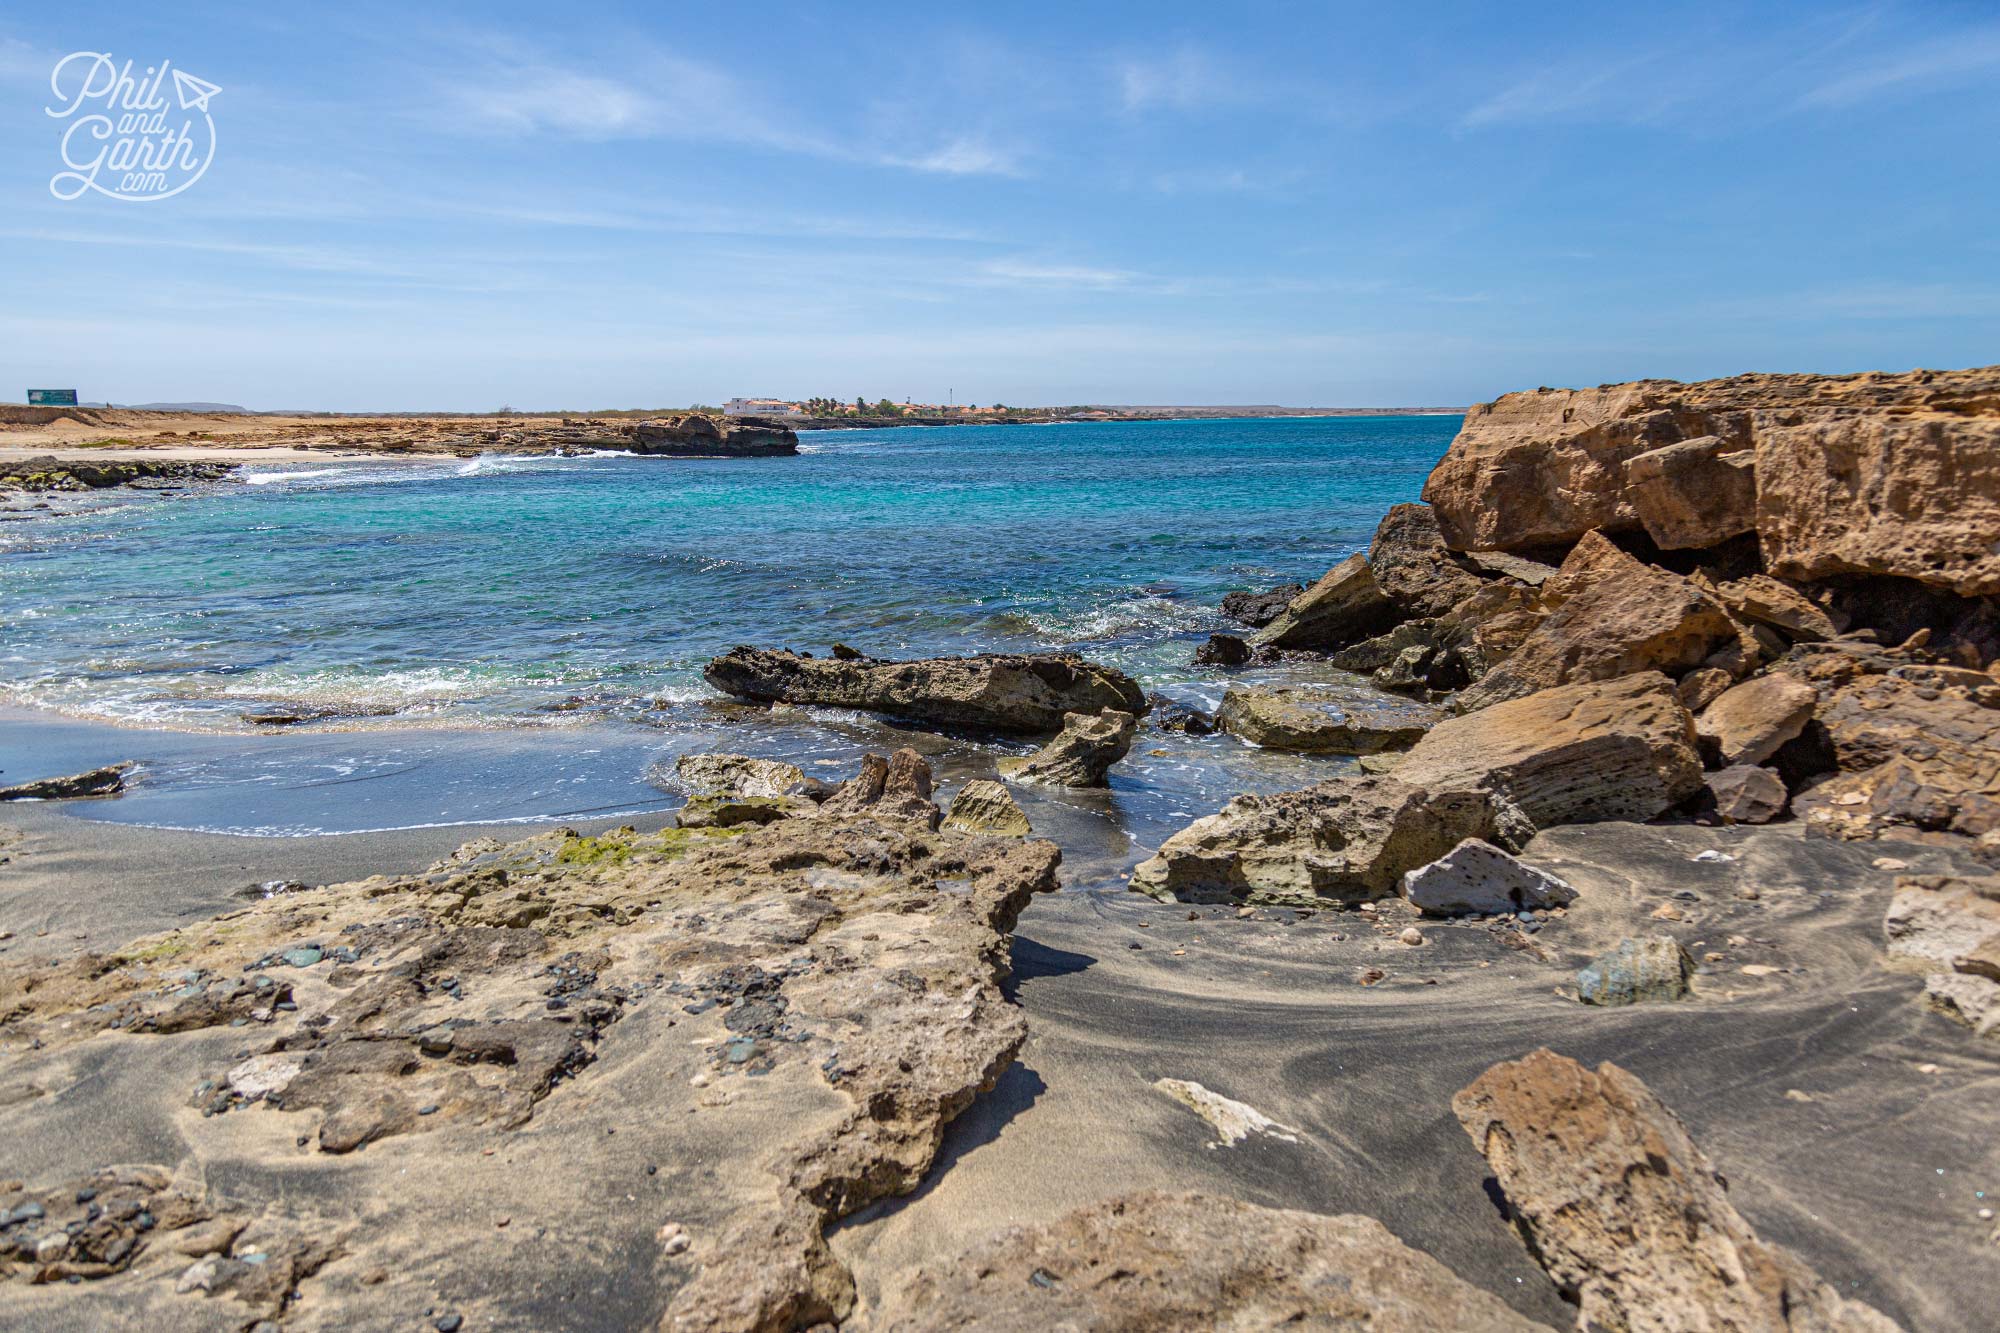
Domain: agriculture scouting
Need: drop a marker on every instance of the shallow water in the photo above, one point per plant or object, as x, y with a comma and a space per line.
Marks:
568, 604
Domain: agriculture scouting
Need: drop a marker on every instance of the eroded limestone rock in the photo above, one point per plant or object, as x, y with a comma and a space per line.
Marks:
1748, 723
995, 691
986, 807
1315, 720
1081, 755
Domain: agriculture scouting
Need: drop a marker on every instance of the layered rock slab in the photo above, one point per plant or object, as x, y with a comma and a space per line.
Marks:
996, 691
1314, 720
805, 1005
1187, 1261
1628, 1216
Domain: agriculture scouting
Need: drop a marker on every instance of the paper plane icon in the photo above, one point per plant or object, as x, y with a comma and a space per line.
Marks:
194, 93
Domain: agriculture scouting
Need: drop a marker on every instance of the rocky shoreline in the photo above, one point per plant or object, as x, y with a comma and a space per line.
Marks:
1682, 720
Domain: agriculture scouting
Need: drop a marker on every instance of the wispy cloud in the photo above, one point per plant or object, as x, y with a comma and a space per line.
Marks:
1181, 80
1941, 62
1027, 273
697, 103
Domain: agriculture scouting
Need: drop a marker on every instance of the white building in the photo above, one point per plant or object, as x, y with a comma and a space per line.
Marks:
760, 407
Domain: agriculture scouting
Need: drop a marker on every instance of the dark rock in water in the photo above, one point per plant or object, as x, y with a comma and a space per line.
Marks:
1637, 972
1150, 1261
843, 653
696, 435
1182, 718
1747, 794
994, 691
1081, 754
1225, 650
291, 715
45, 472
106, 781
1629, 1217
1258, 609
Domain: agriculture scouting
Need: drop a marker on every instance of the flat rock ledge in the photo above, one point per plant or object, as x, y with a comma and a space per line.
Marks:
739, 1034
1007, 692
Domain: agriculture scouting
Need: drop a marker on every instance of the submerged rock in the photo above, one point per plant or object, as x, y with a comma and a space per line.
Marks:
995, 691
1313, 720
1153, 1261
1637, 972
106, 781
1476, 876
1081, 755
986, 807
1628, 1216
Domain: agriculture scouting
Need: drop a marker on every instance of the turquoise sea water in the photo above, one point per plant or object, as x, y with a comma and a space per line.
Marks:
508, 593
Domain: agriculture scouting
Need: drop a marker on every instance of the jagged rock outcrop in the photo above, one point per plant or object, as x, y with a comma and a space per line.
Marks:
1543, 468
1346, 839
1627, 1214
898, 787
1607, 614
1153, 1261
778, 1021
995, 691
1315, 720
1615, 749
1413, 567
1082, 753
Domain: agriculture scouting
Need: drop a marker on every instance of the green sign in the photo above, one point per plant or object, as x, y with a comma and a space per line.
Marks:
52, 398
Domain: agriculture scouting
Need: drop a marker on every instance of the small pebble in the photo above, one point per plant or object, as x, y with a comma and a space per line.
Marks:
1411, 936
449, 1324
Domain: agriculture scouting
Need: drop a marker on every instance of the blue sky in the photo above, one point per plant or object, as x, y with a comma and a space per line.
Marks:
433, 207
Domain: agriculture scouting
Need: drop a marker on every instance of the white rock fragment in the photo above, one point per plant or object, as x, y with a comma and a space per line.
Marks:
1476, 876
1232, 1121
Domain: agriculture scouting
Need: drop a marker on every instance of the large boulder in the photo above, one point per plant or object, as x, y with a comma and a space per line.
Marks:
1319, 720
1694, 494
995, 691
1917, 748
1147, 1262
1345, 605
1628, 1216
1614, 749
1761, 599
1914, 496
1082, 753
1347, 839
1748, 723
1608, 615
1413, 567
